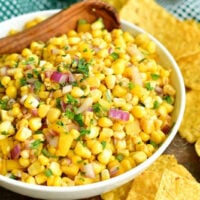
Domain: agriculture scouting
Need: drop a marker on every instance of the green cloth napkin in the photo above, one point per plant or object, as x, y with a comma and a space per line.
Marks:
183, 9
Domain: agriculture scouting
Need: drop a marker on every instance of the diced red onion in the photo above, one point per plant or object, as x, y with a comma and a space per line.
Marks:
15, 152
119, 114
53, 141
89, 170
59, 77
63, 106
113, 171
34, 112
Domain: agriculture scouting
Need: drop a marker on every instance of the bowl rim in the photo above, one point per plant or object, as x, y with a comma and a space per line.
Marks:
136, 170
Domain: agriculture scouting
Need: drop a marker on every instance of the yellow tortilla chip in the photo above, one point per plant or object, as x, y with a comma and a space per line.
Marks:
118, 193
173, 186
145, 186
190, 68
190, 126
118, 4
181, 39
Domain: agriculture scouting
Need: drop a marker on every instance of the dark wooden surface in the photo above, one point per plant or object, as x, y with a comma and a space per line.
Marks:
183, 151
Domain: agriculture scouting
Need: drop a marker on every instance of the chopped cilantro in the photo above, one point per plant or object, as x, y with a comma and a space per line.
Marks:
60, 123
114, 55
48, 172
69, 114
37, 85
155, 76
46, 153
168, 98
58, 103
153, 144
119, 157
103, 143
71, 99
3, 104
148, 86
36, 72
79, 119
97, 107
156, 104
31, 60
4, 133
29, 75
36, 144
23, 81
131, 85
84, 131
83, 68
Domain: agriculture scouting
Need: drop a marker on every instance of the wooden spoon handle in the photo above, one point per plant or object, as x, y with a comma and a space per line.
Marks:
61, 23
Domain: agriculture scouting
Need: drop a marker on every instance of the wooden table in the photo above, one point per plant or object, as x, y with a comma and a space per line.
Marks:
183, 151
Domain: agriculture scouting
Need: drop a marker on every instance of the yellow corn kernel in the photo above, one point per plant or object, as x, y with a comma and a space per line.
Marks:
55, 168
94, 132
35, 168
102, 88
95, 146
147, 125
105, 175
98, 167
119, 102
110, 81
139, 157
138, 91
126, 164
82, 180
24, 162
74, 40
64, 144
157, 136
144, 136
6, 128
93, 81
15, 111
11, 91
31, 102
82, 150
138, 111
83, 27
30, 180
43, 110
40, 178
118, 66
22, 123
67, 182
53, 114
71, 170
24, 153
35, 123
54, 181
23, 133
77, 92
43, 94
96, 95
105, 122
26, 52
105, 134
5, 80
105, 104
43, 159
119, 91
12, 164
105, 156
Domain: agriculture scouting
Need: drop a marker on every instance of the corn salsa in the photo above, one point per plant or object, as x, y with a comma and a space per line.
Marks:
83, 107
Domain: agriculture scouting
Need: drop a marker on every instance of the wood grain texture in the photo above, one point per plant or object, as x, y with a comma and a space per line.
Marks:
61, 23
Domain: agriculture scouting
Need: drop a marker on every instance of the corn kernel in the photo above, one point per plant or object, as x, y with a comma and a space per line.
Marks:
31, 102
35, 123
35, 168
118, 66
105, 122
139, 157
11, 91
77, 92
23, 133
82, 150
105, 156
53, 114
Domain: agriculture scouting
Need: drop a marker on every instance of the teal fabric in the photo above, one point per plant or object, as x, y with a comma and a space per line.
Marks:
183, 9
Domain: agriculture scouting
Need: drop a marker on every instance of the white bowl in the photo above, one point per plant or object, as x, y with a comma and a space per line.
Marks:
85, 191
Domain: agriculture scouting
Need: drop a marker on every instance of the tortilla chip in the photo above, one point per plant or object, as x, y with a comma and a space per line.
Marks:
118, 193
173, 186
190, 68
190, 126
181, 39
118, 4
145, 186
